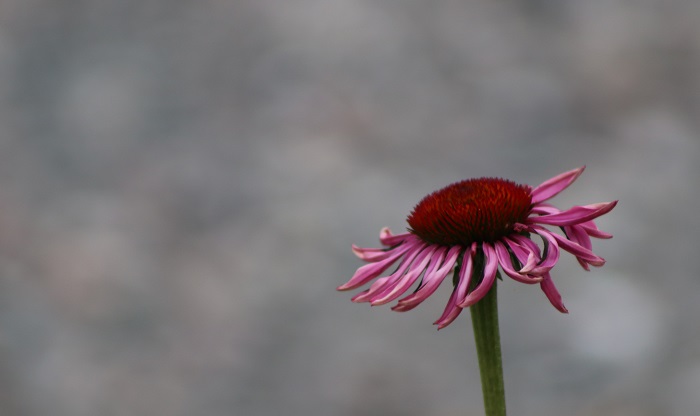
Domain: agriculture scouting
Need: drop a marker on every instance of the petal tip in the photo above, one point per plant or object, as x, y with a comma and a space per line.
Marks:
469, 301
551, 187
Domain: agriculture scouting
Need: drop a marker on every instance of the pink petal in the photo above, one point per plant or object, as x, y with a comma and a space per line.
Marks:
430, 282
370, 254
369, 271
381, 283
526, 243
592, 230
575, 215
507, 265
580, 252
578, 235
435, 262
527, 252
490, 270
393, 290
588, 226
389, 239
544, 209
550, 259
553, 186
552, 294
452, 310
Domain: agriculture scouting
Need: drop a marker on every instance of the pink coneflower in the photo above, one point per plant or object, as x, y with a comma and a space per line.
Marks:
472, 227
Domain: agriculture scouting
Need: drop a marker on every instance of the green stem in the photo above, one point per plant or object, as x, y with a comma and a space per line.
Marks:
488, 348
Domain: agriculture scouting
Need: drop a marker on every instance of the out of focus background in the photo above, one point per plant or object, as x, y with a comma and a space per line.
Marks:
181, 181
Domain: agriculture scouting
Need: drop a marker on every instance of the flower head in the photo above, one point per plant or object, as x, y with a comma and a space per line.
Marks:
473, 227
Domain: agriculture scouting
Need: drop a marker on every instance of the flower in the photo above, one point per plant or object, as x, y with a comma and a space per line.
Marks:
473, 227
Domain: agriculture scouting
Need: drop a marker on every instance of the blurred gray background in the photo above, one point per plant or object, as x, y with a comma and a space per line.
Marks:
181, 181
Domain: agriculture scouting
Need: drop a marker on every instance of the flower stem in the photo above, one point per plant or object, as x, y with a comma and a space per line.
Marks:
488, 349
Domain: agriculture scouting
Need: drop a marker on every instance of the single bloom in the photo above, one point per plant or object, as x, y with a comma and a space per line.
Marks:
472, 228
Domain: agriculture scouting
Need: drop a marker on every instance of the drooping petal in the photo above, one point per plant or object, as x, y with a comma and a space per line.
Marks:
544, 209
436, 261
393, 290
452, 310
580, 252
507, 265
552, 293
575, 215
579, 236
430, 282
551, 257
592, 230
381, 283
389, 239
527, 243
527, 252
553, 186
490, 269
369, 271
370, 254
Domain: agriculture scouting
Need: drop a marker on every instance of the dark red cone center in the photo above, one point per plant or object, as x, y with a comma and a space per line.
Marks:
484, 209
